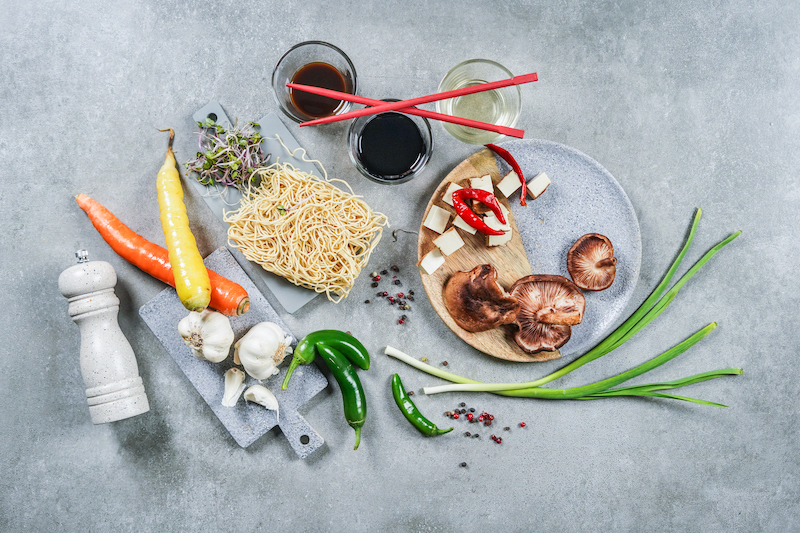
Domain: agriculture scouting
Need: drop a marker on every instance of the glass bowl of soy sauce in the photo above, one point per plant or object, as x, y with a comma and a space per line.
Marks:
314, 63
390, 148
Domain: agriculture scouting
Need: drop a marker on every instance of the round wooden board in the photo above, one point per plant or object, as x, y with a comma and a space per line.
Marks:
510, 261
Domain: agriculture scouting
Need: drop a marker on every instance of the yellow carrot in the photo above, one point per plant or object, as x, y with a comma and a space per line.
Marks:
191, 276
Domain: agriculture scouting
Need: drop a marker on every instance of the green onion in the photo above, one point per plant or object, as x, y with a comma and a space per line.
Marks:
649, 310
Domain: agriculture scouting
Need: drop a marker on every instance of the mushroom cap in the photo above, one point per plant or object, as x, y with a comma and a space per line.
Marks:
548, 306
591, 262
477, 302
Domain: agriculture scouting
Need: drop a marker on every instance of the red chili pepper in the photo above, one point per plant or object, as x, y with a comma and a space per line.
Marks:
470, 217
508, 158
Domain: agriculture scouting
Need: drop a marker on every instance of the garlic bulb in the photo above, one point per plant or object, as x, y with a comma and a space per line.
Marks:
208, 333
233, 386
262, 349
263, 396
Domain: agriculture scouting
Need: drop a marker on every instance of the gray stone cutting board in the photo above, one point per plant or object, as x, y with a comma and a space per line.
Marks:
221, 199
246, 422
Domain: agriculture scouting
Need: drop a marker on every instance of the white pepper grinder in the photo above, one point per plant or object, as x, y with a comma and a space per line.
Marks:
114, 389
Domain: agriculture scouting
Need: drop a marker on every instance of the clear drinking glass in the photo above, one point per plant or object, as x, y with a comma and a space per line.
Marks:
499, 106
307, 54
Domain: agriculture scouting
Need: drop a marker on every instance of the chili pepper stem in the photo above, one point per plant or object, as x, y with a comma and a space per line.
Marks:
358, 437
294, 364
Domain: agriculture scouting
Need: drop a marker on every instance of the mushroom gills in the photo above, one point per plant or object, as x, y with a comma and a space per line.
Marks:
591, 262
548, 306
539, 337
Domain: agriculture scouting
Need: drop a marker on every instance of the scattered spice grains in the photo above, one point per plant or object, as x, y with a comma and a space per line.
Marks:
474, 418
401, 299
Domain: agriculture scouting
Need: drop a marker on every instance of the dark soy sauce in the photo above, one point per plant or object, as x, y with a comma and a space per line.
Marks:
318, 75
391, 144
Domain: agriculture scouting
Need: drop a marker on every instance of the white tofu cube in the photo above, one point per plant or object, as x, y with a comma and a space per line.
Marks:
437, 219
432, 260
499, 240
494, 223
460, 224
448, 194
509, 184
449, 241
538, 185
484, 182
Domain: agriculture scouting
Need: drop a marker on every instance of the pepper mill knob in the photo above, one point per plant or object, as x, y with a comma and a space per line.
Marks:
114, 389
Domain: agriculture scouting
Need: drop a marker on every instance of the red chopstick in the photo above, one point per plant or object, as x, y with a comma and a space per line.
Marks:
503, 130
393, 106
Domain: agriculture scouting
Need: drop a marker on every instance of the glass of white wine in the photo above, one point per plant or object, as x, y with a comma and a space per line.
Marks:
499, 106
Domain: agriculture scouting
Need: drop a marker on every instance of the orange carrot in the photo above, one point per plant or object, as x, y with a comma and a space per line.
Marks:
227, 297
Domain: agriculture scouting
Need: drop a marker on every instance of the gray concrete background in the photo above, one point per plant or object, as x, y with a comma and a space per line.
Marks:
687, 104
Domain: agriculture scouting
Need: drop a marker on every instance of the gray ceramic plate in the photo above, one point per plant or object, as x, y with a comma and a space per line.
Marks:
583, 198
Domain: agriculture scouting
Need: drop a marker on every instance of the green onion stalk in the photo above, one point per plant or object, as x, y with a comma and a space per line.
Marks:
653, 306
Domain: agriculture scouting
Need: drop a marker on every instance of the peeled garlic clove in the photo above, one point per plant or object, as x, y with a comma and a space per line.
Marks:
263, 396
208, 333
262, 349
234, 378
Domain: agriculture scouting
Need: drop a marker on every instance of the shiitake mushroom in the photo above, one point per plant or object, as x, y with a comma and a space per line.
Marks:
549, 306
477, 302
542, 307
591, 262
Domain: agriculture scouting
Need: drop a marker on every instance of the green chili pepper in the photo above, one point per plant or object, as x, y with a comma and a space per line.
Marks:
345, 343
355, 403
412, 414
